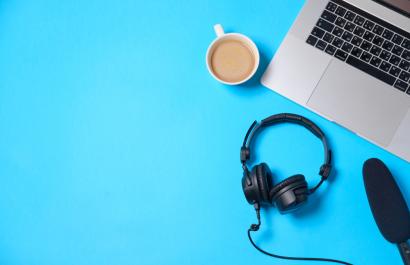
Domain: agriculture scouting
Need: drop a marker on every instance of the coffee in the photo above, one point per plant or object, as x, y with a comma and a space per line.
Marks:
232, 60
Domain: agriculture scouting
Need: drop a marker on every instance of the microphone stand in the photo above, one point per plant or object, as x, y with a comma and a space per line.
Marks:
404, 249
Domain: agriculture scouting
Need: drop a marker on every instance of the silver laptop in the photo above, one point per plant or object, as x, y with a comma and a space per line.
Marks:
349, 61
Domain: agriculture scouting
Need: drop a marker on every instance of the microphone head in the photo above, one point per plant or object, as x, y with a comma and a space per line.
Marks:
386, 202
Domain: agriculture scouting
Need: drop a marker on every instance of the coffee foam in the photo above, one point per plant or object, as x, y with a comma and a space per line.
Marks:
232, 60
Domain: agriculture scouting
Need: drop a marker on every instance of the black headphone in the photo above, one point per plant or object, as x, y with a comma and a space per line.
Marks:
292, 192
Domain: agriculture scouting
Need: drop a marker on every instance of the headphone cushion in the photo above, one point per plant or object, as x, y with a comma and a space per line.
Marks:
264, 178
286, 182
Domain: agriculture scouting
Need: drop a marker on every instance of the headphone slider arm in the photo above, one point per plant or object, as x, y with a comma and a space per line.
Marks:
325, 171
245, 154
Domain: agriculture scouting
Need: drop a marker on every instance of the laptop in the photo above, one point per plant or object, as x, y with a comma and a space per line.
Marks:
349, 61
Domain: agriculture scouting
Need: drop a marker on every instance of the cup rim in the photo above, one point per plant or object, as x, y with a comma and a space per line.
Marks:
248, 41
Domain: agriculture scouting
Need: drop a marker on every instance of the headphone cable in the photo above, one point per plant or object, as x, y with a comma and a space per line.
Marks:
255, 227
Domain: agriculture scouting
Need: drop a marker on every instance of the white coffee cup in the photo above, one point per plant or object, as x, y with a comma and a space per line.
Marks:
235, 60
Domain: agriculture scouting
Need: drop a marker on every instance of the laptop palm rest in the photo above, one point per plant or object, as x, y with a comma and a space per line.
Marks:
359, 102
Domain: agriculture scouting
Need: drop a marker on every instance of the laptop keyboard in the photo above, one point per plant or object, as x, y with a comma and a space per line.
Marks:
364, 41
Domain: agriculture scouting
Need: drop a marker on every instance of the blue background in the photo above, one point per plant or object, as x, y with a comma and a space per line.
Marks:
118, 147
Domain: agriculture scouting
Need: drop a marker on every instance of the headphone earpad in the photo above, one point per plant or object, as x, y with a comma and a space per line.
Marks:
250, 187
264, 179
290, 193
255, 184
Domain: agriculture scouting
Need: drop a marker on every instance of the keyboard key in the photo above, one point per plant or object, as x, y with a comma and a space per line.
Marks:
406, 55
405, 76
356, 41
387, 45
338, 31
356, 52
359, 31
340, 22
378, 29
401, 86
368, 25
394, 60
340, 11
337, 42
325, 25
406, 44
366, 45
375, 61
397, 39
368, 36
347, 36
329, 16
359, 20
385, 55
330, 49
397, 50
370, 70
375, 50
331, 6
405, 65
366, 57
317, 32
387, 34
378, 41
341, 55
349, 26
328, 37
395, 71
350, 15
321, 45
385, 66
347, 47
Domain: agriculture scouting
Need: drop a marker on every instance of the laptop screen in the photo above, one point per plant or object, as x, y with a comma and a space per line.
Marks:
402, 6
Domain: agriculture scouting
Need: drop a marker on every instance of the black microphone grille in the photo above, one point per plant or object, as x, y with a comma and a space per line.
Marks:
386, 201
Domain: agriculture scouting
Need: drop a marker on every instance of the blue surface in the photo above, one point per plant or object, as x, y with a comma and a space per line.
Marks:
117, 146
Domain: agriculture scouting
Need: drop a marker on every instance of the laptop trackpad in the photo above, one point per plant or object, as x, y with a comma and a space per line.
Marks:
360, 102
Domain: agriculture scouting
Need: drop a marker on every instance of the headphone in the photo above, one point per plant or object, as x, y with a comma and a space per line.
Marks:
290, 193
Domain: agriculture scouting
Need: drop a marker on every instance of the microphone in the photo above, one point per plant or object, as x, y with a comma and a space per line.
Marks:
388, 206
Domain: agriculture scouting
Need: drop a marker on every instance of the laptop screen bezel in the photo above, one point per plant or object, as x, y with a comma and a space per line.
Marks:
393, 7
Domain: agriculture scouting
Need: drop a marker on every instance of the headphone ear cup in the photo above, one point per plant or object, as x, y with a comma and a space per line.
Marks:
264, 178
257, 184
249, 187
290, 194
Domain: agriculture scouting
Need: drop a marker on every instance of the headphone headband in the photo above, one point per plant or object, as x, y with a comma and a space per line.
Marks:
288, 118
